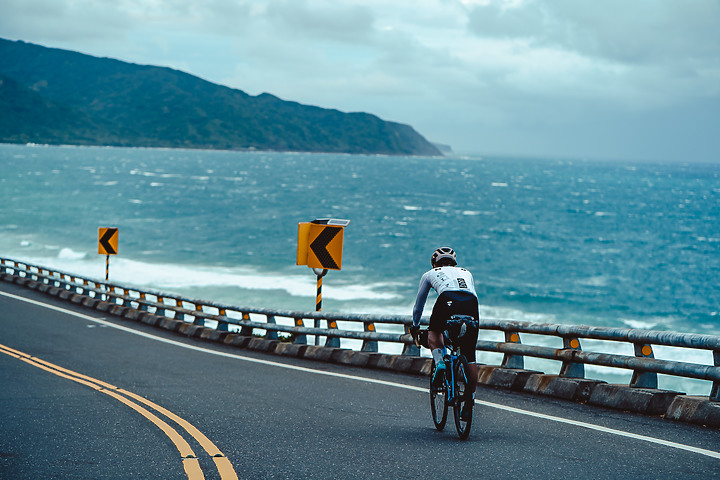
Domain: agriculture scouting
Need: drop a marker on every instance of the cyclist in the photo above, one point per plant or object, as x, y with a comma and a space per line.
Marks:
456, 296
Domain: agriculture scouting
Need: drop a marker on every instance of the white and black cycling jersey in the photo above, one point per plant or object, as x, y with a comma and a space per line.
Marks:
442, 279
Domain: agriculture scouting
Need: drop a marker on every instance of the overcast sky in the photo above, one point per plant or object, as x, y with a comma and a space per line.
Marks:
636, 79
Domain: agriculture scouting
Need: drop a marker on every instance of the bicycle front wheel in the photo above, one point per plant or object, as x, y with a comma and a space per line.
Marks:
461, 390
438, 402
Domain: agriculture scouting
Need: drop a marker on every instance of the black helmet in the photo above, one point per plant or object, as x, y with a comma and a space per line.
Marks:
444, 255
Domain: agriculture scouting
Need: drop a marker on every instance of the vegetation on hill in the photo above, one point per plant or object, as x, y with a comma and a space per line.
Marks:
57, 96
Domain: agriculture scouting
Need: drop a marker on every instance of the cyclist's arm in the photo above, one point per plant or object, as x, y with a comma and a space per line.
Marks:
420, 299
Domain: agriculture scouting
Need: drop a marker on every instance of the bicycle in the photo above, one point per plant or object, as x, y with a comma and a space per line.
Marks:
453, 389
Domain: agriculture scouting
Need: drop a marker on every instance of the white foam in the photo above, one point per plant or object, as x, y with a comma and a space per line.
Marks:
638, 323
477, 212
70, 254
597, 281
167, 276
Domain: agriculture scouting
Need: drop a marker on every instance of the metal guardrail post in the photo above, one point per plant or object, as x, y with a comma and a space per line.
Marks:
642, 379
509, 360
178, 315
331, 340
301, 338
715, 391
199, 320
222, 326
572, 369
369, 345
160, 311
245, 330
142, 306
271, 334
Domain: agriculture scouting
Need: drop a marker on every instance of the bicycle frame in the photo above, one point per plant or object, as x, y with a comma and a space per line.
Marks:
451, 360
449, 394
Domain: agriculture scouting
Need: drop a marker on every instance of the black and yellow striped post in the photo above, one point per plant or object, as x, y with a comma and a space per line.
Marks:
318, 296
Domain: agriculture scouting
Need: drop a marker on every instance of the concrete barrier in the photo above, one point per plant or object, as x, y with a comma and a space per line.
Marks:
697, 410
508, 378
649, 401
573, 389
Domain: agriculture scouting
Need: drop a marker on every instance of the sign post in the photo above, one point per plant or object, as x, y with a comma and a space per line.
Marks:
107, 245
318, 296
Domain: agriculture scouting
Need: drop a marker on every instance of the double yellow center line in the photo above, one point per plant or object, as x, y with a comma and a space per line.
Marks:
189, 459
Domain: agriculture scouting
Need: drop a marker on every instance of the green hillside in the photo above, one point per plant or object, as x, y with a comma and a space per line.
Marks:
57, 96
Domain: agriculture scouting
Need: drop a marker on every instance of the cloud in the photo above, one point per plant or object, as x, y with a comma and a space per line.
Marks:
642, 31
478, 74
332, 21
34, 20
638, 55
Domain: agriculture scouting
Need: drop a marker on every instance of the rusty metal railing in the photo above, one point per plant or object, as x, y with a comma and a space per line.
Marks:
271, 323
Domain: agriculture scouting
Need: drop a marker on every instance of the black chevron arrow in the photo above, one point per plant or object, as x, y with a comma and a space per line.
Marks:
319, 247
105, 241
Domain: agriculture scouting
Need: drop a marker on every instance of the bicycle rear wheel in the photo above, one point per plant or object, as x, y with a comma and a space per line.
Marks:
461, 381
438, 403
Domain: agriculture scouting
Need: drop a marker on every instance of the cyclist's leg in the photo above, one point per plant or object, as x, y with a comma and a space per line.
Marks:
435, 340
473, 374
469, 342
438, 321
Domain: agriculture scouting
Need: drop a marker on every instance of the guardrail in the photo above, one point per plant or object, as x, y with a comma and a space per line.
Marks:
270, 323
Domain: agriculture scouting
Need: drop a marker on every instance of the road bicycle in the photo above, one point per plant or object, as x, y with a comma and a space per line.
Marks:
452, 390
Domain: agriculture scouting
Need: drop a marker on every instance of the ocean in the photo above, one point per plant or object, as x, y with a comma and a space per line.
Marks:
555, 240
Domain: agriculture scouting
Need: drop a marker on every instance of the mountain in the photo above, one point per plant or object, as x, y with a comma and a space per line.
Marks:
55, 96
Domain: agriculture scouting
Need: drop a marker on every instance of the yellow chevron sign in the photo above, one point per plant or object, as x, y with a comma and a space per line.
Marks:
107, 241
320, 243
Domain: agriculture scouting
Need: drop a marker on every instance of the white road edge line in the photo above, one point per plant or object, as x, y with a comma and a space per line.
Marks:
590, 426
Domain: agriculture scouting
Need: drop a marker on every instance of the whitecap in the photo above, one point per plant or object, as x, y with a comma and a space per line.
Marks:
597, 281
70, 254
639, 324
411, 207
173, 277
499, 184
477, 212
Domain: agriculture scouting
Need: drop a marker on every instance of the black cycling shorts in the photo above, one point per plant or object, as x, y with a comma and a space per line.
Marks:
456, 303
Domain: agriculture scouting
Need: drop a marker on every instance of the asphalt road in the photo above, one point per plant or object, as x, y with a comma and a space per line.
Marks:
275, 417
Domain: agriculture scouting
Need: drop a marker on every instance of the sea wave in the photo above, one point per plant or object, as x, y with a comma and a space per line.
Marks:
160, 276
70, 254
